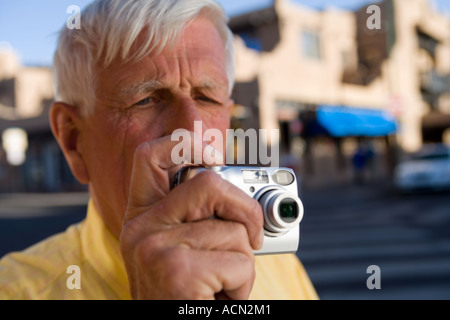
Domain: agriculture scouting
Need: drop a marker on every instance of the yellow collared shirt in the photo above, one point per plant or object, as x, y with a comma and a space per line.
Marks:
42, 272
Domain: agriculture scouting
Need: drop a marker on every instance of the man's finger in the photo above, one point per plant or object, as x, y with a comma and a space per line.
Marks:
230, 273
219, 199
155, 164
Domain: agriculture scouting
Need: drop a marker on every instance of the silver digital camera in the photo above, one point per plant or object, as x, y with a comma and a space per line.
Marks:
276, 191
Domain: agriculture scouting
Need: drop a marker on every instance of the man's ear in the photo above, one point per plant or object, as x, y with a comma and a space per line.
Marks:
66, 124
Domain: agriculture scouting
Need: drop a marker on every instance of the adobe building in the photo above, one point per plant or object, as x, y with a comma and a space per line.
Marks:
317, 75
26, 94
324, 78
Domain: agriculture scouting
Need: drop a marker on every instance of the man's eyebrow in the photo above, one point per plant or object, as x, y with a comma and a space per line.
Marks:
124, 94
139, 88
152, 85
210, 84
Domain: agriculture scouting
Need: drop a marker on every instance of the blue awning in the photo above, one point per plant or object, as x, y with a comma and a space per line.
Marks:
342, 121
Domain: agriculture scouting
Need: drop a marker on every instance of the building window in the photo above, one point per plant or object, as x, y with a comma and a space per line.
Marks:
7, 92
311, 46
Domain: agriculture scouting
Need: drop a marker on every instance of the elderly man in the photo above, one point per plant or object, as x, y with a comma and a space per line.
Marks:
135, 72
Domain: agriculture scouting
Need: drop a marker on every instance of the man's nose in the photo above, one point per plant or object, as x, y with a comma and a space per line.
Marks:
185, 114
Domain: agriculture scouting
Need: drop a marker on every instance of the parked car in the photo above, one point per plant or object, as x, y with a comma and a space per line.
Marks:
427, 169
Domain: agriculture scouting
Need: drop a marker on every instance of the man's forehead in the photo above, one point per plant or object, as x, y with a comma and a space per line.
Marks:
199, 49
203, 70
200, 38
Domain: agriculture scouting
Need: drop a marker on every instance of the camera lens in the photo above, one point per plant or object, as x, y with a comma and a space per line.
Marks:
288, 210
282, 211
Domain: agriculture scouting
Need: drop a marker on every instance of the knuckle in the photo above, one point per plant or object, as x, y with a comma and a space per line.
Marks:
176, 258
180, 276
147, 152
208, 178
142, 150
175, 263
168, 269
240, 231
250, 264
147, 248
255, 210
241, 236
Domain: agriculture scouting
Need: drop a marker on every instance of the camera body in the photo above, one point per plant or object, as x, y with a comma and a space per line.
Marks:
276, 191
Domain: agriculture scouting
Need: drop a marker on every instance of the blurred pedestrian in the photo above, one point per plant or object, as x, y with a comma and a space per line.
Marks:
359, 162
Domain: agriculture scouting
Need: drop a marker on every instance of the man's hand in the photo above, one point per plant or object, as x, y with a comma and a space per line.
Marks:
171, 247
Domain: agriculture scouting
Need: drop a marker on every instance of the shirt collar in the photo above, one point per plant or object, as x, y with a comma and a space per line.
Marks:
101, 249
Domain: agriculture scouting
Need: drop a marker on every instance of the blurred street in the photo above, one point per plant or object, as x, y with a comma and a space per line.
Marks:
348, 229
345, 230
28, 218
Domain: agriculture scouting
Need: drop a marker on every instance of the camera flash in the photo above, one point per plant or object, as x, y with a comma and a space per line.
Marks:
255, 176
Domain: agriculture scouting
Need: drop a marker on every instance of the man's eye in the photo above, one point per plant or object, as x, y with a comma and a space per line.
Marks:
206, 99
144, 101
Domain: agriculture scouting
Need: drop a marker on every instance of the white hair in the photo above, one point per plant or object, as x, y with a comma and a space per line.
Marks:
110, 28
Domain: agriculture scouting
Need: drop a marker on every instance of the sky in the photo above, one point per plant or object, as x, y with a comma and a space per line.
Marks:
30, 27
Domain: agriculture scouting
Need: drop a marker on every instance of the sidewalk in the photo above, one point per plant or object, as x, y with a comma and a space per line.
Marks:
33, 205
43, 199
